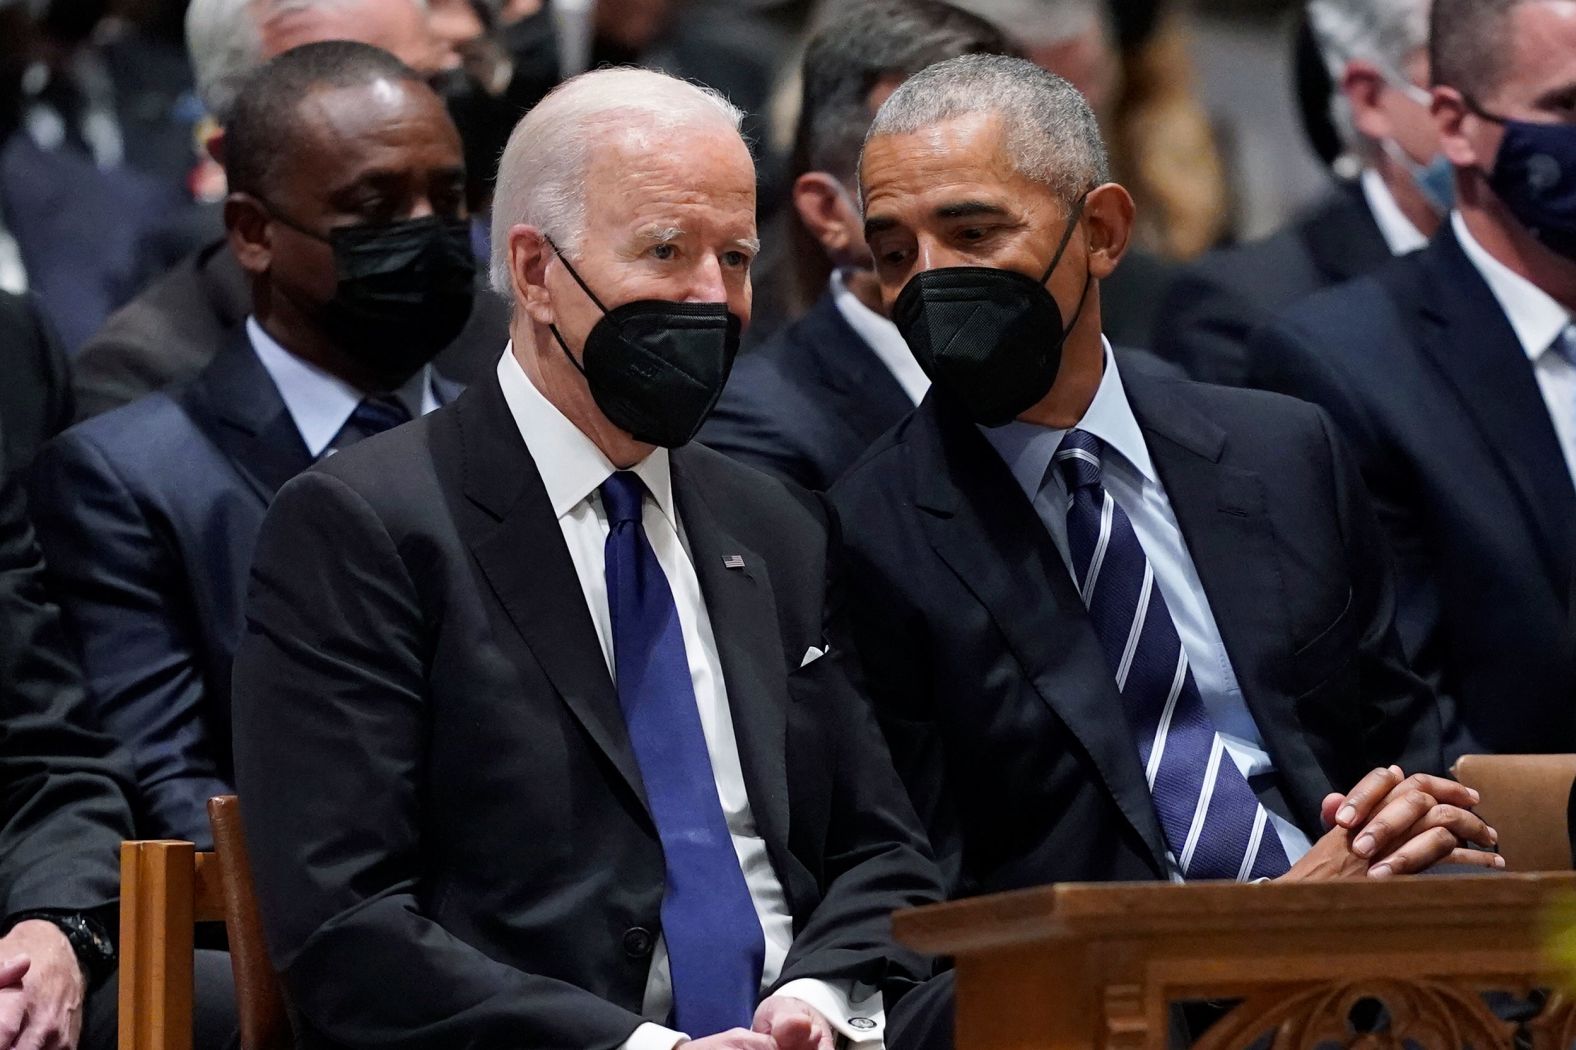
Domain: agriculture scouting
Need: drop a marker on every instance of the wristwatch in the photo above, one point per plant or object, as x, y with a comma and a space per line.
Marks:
88, 939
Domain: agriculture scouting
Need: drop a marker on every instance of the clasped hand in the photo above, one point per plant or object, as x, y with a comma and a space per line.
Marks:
1394, 824
781, 1023
41, 989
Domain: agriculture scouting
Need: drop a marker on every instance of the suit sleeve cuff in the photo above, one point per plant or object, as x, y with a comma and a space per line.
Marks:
653, 1037
861, 1022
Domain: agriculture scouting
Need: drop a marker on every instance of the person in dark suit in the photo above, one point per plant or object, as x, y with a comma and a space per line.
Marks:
1451, 372
543, 679
1116, 627
35, 402
1376, 54
63, 815
804, 405
148, 514
171, 331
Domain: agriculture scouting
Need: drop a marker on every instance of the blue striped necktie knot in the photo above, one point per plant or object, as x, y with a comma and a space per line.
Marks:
1565, 343
1078, 458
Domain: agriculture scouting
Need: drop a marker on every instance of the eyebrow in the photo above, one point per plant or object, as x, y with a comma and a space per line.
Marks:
1555, 96
879, 224
969, 209
668, 234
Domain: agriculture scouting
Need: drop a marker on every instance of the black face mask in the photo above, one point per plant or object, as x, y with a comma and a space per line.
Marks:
484, 120
404, 291
656, 368
990, 338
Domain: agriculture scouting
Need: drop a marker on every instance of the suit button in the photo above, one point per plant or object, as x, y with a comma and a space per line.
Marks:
638, 942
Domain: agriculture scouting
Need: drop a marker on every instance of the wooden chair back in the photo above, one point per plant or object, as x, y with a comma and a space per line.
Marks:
166, 888
1525, 799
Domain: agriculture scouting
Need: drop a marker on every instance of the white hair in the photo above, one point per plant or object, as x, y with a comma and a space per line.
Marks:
1052, 135
225, 40
1384, 32
541, 178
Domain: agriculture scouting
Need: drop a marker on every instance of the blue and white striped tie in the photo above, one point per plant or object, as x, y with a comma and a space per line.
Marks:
1212, 820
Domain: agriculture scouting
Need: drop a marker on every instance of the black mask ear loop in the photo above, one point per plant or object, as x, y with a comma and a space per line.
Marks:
1061, 249
589, 294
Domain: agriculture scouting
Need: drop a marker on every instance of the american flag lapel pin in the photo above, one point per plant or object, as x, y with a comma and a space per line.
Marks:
733, 561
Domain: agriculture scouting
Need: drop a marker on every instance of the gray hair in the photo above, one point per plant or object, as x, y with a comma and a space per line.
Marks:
541, 178
225, 41
1037, 23
1052, 135
1384, 32
1471, 49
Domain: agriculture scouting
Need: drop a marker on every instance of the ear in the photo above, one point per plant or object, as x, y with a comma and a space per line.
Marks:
1364, 86
1451, 116
214, 144
1108, 215
529, 254
246, 224
823, 207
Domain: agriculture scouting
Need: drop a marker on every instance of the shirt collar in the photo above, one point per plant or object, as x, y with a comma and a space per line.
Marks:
882, 336
571, 465
1028, 448
1399, 232
319, 403
1535, 316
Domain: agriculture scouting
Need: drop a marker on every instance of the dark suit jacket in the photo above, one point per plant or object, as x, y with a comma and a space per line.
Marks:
171, 331
1216, 304
148, 516
1421, 369
63, 810
35, 399
806, 404
449, 832
992, 687
81, 232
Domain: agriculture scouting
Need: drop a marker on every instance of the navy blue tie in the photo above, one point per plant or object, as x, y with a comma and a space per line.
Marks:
1212, 820
372, 416
714, 938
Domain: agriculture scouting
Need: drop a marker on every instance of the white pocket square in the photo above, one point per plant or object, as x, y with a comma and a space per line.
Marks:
811, 655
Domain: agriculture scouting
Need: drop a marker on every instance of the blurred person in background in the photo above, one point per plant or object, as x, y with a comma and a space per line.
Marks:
807, 403
35, 399
347, 215
170, 331
1452, 372
70, 232
1400, 187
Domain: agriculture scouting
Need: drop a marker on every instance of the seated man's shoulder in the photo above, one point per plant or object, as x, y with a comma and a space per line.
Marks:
727, 482
392, 472
151, 438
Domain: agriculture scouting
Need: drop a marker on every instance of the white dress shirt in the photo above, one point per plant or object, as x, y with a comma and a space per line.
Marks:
882, 336
1538, 321
1128, 474
573, 470
13, 274
320, 404
1399, 232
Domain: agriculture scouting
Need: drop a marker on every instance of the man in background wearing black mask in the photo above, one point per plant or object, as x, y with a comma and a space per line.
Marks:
1453, 374
543, 609
1087, 598
347, 213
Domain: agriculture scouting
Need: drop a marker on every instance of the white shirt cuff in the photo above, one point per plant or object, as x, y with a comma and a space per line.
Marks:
653, 1037
862, 1023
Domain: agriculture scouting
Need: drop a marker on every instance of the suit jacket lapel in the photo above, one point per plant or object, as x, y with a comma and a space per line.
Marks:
235, 403
514, 535
864, 391
981, 525
1224, 521
743, 614
1343, 237
1471, 342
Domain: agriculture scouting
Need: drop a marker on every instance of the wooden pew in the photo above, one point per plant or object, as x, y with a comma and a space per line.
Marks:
1097, 967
